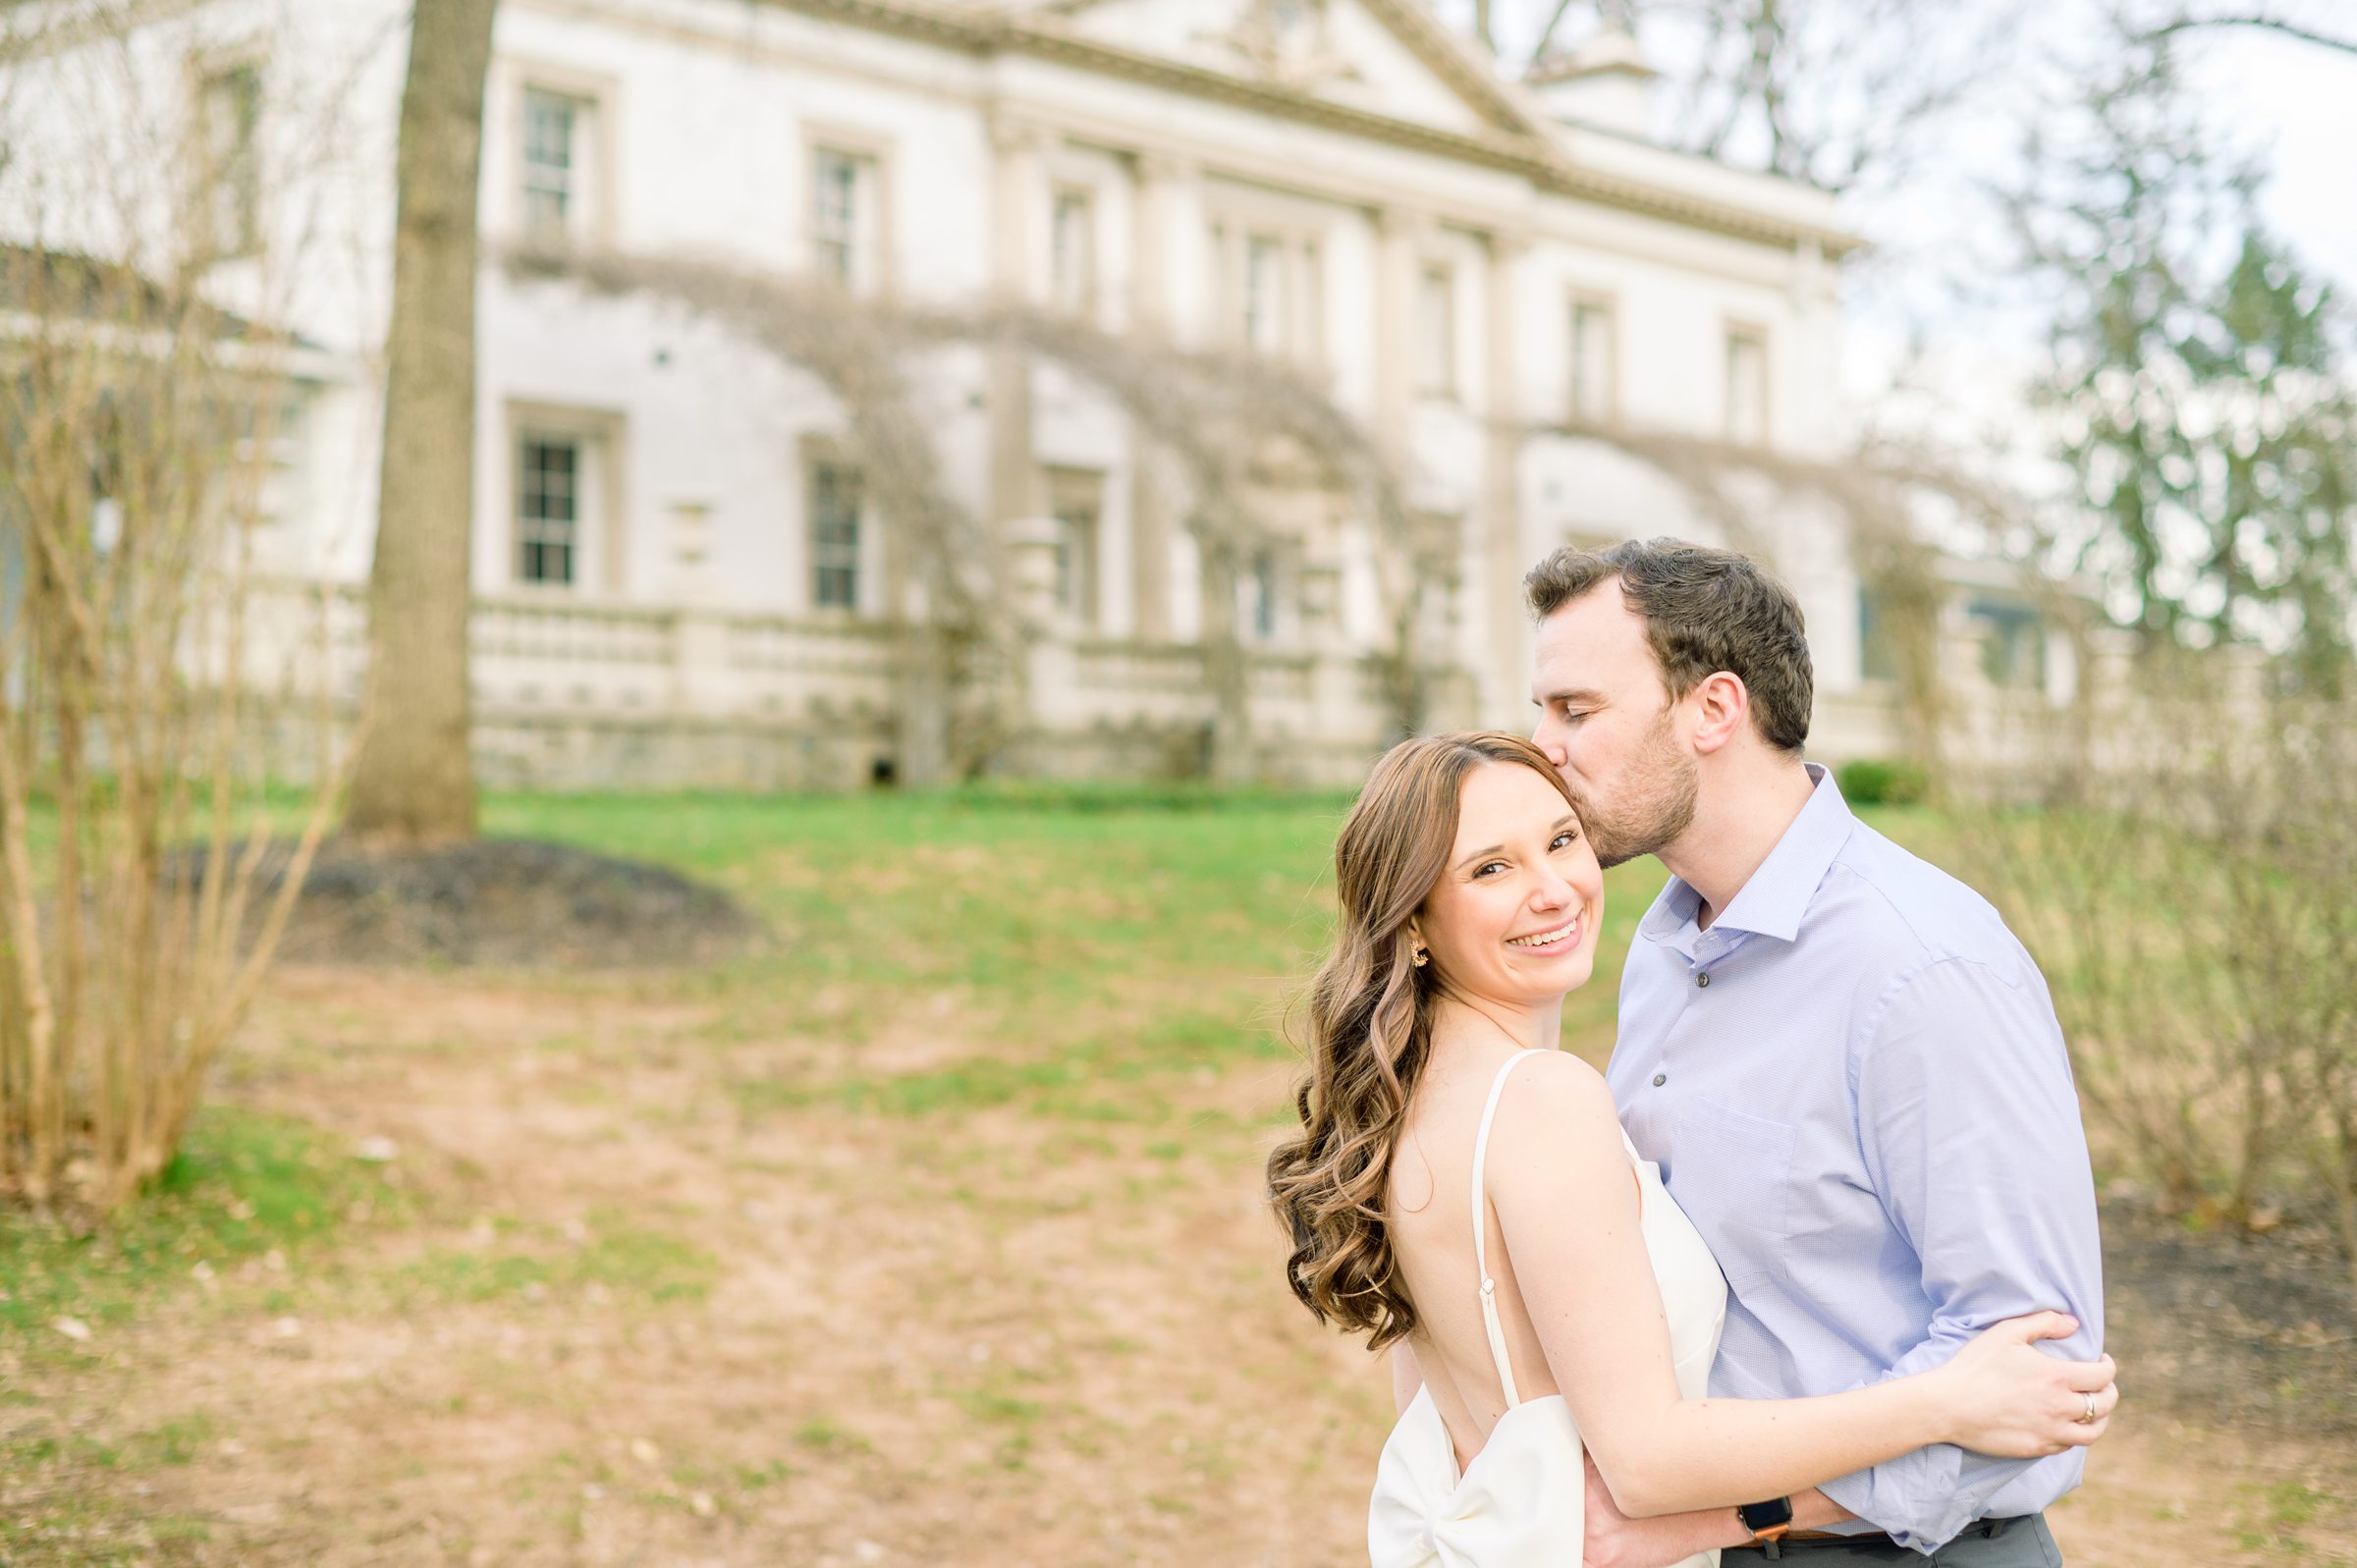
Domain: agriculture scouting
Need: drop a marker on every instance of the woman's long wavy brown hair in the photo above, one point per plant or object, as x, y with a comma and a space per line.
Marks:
1370, 1031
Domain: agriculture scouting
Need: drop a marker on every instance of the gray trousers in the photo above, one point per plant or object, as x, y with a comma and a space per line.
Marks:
2020, 1543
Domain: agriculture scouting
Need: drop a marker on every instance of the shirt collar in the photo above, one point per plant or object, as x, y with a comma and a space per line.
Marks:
1773, 901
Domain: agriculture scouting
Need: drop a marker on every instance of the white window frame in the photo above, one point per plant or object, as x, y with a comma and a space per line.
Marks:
536, 532
1591, 359
1436, 329
543, 182
1076, 502
1746, 423
1072, 247
596, 436
227, 211
824, 555
861, 238
1263, 299
1261, 587
587, 196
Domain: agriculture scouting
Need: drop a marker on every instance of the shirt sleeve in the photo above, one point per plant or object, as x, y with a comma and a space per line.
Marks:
1969, 1124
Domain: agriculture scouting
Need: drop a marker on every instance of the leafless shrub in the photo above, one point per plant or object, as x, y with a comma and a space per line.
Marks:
138, 421
2184, 880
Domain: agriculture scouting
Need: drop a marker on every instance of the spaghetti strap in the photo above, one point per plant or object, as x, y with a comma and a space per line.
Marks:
1481, 1229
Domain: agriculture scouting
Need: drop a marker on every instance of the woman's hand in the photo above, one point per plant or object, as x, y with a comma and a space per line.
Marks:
2004, 1397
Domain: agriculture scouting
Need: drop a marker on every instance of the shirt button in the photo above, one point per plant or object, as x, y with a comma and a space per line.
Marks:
1660, 1078
1703, 979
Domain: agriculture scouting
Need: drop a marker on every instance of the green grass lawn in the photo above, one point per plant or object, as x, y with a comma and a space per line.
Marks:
940, 1214
1044, 913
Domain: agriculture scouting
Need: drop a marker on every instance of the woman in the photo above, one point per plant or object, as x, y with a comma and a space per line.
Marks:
1462, 1193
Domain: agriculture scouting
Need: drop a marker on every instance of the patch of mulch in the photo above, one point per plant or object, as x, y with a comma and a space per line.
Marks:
507, 904
2259, 1330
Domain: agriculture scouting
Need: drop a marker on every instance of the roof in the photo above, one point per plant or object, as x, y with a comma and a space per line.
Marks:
1514, 137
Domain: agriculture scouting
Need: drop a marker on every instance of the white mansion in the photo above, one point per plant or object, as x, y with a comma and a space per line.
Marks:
682, 578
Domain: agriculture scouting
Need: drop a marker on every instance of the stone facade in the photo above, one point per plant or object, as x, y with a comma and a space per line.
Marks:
681, 579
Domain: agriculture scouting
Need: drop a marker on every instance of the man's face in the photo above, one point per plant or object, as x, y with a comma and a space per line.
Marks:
1607, 723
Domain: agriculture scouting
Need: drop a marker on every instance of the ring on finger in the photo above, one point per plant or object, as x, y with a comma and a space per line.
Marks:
2087, 1417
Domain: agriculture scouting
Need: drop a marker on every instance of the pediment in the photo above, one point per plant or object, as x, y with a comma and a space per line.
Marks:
1386, 57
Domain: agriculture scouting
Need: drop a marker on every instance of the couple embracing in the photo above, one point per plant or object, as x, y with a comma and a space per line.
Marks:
1813, 1270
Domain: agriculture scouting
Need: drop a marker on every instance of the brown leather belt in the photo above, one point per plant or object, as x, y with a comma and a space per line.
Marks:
1876, 1538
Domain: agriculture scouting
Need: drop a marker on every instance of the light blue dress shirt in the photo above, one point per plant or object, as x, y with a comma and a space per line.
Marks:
1856, 1088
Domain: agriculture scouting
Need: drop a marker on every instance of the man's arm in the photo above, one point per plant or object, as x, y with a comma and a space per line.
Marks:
1970, 1129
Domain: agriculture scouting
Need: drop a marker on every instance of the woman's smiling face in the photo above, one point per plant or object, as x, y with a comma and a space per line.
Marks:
1515, 915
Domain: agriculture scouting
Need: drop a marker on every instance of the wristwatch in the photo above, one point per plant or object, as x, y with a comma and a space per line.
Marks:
1768, 1523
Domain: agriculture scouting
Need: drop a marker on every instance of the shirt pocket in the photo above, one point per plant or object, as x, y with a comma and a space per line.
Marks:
1735, 1180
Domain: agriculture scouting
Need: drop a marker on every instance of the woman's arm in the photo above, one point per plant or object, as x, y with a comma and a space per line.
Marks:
1406, 1377
1615, 1541
1590, 1290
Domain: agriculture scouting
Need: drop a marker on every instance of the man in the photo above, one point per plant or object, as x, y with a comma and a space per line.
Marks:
1848, 1069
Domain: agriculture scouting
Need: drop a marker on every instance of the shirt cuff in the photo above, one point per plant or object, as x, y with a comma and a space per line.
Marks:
1915, 1498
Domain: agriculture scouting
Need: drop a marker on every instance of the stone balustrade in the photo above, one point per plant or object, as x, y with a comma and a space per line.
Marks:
575, 693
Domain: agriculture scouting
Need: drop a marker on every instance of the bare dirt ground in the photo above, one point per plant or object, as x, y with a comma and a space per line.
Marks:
632, 1299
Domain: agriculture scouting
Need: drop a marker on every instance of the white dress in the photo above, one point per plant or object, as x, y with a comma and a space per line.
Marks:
1521, 1502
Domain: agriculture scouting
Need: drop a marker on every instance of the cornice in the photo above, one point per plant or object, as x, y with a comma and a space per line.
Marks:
1531, 155
1413, 26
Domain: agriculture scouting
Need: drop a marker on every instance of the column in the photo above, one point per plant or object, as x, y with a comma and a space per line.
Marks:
1805, 384
1508, 634
1016, 187
1399, 237
1161, 210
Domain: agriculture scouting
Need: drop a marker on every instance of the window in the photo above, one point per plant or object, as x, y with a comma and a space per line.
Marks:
1267, 286
844, 218
1288, 16
228, 116
1594, 396
1436, 331
107, 451
1310, 311
1746, 387
834, 535
1264, 294
1075, 500
1260, 597
553, 144
550, 474
1878, 648
1282, 26
1073, 261
2012, 643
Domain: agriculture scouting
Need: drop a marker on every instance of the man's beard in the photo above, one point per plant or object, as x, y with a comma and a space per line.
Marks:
1653, 802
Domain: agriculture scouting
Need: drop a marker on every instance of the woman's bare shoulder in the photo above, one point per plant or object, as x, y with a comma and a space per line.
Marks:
1555, 1091
1560, 1075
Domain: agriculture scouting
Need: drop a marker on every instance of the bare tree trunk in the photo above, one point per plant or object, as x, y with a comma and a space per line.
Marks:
415, 781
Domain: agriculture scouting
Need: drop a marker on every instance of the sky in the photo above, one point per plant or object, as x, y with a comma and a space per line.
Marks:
2294, 104
2301, 102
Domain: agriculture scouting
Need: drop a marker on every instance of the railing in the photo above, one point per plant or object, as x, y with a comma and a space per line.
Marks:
572, 656
533, 654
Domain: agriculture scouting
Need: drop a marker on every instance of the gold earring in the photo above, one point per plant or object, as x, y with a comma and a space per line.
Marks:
1420, 958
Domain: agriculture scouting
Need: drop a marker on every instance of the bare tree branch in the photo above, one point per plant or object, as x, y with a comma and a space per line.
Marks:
1538, 50
2266, 24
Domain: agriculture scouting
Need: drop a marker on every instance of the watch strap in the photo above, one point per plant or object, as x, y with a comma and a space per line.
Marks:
1768, 1522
